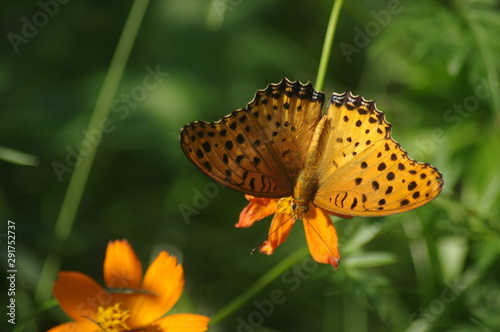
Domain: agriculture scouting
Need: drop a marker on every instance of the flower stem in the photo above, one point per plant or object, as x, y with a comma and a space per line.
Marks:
327, 45
78, 180
265, 280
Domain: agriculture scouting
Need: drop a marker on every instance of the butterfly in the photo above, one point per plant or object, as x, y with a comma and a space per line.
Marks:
282, 145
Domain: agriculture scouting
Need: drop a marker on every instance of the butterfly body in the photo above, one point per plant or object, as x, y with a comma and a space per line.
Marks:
281, 145
306, 186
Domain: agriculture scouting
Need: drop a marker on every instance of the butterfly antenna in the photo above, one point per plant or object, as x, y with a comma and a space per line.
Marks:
322, 240
268, 235
96, 323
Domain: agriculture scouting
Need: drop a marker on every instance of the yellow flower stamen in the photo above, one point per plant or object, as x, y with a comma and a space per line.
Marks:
285, 206
112, 318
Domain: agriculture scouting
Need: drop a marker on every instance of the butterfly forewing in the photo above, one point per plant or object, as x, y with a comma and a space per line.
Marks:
260, 149
364, 172
285, 116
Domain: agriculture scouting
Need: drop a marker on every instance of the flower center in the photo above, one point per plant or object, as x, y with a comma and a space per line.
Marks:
292, 207
285, 205
112, 318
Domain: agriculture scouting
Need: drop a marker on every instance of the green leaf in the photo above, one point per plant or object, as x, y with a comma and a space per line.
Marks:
369, 259
364, 234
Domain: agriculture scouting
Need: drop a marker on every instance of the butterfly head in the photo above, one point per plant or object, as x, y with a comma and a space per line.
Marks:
299, 209
292, 207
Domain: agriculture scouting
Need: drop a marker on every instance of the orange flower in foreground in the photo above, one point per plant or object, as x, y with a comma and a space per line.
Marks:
130, 302
320, 233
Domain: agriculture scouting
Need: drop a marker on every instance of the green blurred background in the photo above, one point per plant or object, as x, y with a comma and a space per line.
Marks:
432, 67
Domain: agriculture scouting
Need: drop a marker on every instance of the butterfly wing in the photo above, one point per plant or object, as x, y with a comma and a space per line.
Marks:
363, 171
260, 149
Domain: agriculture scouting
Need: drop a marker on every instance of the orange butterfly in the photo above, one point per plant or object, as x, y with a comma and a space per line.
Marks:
281, 146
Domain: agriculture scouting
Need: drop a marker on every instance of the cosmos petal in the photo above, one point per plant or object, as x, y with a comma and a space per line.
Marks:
164, 279
183, 323
81, 326
122, 268
321, 237
257, 209
280, 228
79, 295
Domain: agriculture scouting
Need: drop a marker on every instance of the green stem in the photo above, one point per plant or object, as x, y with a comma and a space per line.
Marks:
327, 45
17, 157
78, 180
488, 59
265, 280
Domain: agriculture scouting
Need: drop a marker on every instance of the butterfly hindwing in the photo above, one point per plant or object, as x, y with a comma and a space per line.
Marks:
364, 172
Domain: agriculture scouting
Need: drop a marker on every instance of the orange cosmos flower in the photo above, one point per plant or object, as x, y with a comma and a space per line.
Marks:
321, 235
131, 302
